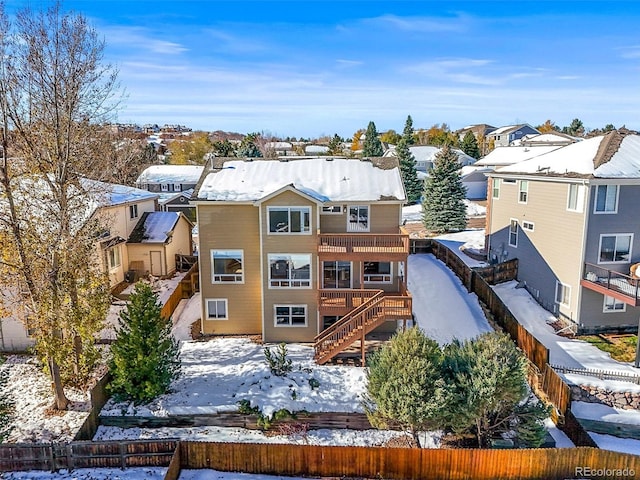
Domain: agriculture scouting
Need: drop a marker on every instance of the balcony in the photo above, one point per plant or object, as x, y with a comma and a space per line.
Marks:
363, 246
609, 282
339, 302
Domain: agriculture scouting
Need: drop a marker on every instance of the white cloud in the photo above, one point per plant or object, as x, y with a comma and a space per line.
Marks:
422, 24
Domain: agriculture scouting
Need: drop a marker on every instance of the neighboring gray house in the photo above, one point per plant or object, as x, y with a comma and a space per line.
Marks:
174, 184
503, 136
571, 218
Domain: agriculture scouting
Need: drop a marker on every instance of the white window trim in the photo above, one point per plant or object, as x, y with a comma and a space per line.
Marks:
290, 306
177, 187
529, 226
615, 300
595, 203
350, 228
164, 187
511, 220
339, 212
335, 261
623, 262
579, 198
115, 249
133, 211
288, 207
521, 191
568, 287
296, 287
385, 281
213, 273
226, 308
495, 188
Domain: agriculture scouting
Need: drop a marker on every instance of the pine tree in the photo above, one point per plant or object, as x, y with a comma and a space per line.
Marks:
443, 206
486, 392
404, 386
248, 147
469, 145
372, 146
412, 184
145, 355
6, 405
408, 133
335, 145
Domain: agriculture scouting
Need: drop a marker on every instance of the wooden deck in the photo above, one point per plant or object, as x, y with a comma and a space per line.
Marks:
611, 283
363, 246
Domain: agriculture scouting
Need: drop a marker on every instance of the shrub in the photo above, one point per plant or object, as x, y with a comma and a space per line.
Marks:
277, 360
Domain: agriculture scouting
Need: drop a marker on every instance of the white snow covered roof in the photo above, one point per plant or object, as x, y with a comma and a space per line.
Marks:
615, 155
154, 227
324, 179
170, 174
427, 153
512, 154
120, 194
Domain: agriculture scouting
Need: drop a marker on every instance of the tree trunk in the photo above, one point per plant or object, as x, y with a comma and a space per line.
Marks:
416, 438
60, 400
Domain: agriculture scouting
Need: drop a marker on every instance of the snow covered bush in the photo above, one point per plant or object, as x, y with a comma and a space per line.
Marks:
145, 356
278, 362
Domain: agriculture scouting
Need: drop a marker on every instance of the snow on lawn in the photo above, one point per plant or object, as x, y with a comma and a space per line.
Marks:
471, 240
566, 352
605, 413
616, 444
413, 213
142, 473
30, 389
341, 437
442, 307
218, 373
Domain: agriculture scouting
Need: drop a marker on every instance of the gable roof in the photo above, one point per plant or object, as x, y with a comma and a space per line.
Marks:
170, 174
427, 153
514, 154
510, 128
324, 179
614, 155
154, 227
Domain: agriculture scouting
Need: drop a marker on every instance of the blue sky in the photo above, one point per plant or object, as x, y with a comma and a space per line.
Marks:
294, 68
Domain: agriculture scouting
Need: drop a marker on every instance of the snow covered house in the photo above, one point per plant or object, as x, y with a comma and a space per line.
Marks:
426, 154
174, 185
570, 217
304, 250
156, 240
503, 136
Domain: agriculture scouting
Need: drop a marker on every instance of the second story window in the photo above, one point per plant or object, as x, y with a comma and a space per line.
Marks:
575, 197
496, 188
358, 219
227, 266
289, 219
606, 199
513, 233
524, 191
615, 248
133, 211
290, 270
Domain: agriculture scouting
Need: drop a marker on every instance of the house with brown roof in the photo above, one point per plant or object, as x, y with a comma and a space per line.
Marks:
570, 217
304, 250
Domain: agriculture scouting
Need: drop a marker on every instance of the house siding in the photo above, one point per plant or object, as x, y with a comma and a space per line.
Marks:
384, 218
231, 227
549, 253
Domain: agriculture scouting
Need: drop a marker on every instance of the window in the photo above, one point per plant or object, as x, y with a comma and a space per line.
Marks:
509, 180
133, 211
524, 191
613, 305
336, 274
289, 271
358, 220
177, 187
615, 248
513, 233
563, 294
289, 219
606, 199
164, 187
377, 272
575, 198
528, 225
332, 210
290, 315
217, 309
496, 188
227, 266
114, 256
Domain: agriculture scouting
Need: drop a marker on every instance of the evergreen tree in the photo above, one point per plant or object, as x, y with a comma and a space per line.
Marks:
335, 145
412, 184
372, 146
469, 145
145, 356
248, 147
443, 206
6, 404
486, 392
404, 386
408, 133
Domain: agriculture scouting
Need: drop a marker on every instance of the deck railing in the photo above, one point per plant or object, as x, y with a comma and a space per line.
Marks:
611, 280
363, 243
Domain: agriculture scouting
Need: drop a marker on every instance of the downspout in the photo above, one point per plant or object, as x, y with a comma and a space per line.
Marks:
259, 206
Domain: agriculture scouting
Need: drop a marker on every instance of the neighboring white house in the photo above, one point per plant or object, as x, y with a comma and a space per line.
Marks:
426, 154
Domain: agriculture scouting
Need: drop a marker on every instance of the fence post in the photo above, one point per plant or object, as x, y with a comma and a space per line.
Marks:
70, 463
52, 458
123, 461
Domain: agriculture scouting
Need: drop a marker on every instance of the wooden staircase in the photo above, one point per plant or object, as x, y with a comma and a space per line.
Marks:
360, 321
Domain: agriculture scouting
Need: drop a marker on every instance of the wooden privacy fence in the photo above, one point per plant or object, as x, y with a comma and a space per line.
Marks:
401, 463
170, 305
98, 397
111, 454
